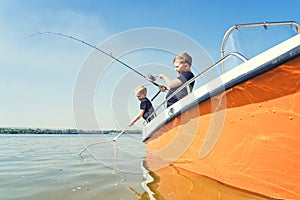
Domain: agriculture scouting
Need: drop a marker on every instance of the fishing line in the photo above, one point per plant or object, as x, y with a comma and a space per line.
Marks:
86, 148
110, 141
149, 77
115, 167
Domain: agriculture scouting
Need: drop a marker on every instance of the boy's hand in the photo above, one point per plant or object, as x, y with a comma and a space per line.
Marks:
162, 76
163, 88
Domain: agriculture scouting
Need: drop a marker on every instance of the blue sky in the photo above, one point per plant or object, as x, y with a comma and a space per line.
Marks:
38, 74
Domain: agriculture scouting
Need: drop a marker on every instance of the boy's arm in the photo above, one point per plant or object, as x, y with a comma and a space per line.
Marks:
139, 115
171, 83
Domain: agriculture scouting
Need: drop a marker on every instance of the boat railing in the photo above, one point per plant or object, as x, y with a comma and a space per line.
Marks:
250, 25
186, 84
225, 57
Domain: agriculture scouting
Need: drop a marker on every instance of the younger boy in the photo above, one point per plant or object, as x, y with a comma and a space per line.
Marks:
146, 108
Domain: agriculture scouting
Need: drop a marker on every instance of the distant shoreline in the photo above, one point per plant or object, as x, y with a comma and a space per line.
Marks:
60, 131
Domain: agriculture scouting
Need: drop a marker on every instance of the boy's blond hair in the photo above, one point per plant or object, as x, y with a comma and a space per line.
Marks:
185, 57
141, 89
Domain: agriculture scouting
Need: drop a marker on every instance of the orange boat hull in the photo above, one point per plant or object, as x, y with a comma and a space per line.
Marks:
246, 137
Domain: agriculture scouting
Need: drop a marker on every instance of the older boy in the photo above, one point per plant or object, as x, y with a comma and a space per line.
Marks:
182, 64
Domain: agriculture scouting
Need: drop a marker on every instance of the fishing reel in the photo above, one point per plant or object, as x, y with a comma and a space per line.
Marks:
151, 78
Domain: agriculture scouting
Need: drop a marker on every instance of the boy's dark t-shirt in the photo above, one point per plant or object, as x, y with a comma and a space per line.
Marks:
147, 106
184, 77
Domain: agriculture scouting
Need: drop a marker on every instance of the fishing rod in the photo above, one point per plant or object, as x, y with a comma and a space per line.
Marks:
149, 77
117, 137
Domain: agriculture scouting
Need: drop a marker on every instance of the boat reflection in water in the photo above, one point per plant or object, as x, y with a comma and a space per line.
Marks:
172, 182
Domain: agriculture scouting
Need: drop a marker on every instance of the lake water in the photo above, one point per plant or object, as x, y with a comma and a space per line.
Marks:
48, 167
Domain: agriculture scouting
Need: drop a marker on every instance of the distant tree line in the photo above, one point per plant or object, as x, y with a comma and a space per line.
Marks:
60, 131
